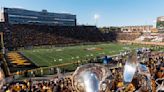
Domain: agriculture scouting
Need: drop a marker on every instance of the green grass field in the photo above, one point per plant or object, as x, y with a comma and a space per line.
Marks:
59, 55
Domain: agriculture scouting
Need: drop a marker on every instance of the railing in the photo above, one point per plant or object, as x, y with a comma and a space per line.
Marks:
144, 43
42, 71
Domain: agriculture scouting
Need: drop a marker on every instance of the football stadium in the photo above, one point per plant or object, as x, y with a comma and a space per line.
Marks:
43, 51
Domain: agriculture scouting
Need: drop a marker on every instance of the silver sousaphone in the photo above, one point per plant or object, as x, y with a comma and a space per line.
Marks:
130, 68
90, 78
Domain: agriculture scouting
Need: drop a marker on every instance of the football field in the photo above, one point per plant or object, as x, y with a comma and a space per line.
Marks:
59, 55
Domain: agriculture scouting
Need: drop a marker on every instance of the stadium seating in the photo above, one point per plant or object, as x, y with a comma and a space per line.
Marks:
151, 37
16, 36
127, 36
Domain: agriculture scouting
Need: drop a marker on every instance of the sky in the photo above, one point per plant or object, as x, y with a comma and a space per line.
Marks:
101, 12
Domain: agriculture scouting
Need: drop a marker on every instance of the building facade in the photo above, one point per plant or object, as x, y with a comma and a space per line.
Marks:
160, 24
142, 28
22, 16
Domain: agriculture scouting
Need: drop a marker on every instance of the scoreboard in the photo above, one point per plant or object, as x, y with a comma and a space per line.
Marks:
160, 24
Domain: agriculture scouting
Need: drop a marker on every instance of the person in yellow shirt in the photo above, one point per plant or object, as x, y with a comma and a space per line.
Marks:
120, 84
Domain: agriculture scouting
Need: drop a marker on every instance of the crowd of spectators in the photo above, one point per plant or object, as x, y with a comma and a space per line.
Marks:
24, 36
128, 36
41, 85
152, 37
34, 35
154, 63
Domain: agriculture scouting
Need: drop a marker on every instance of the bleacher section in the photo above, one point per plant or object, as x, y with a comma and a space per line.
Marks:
34, 35
153, 37
128, 36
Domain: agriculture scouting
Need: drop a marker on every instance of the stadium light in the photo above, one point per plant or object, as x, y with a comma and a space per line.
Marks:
96, 17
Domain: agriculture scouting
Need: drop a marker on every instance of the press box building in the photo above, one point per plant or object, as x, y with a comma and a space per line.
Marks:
23, 16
